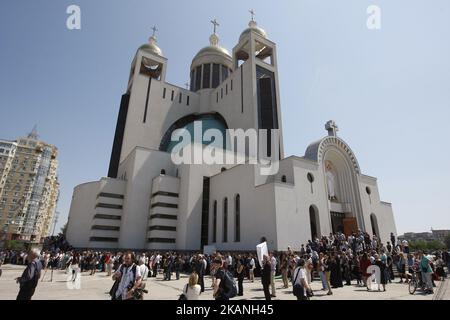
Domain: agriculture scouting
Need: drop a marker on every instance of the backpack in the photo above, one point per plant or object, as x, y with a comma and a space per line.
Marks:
230, 286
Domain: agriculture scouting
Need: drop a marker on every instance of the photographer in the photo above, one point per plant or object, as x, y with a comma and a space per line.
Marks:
128, 279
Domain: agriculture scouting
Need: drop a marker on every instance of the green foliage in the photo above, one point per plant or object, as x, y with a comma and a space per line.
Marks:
14, 245
64, 229
426, 245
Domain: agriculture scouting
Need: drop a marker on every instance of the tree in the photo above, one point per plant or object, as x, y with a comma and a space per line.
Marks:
64, 229
14, 245
426, 245
447, 241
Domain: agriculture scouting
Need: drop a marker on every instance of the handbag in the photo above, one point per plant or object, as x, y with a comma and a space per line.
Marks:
115, 286
183, 296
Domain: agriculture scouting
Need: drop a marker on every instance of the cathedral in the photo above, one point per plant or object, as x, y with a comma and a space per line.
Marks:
149, 202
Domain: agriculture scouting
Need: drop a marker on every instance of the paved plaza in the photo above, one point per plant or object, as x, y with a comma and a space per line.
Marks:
96, 287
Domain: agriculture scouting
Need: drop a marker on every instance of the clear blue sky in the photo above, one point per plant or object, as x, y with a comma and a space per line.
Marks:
388, 90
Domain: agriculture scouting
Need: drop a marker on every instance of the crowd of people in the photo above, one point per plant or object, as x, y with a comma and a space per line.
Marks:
335, 260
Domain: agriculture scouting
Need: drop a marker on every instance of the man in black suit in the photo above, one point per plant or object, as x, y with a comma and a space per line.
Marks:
200, 269
266, 277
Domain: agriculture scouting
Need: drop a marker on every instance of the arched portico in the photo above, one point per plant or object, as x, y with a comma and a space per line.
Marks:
340, 169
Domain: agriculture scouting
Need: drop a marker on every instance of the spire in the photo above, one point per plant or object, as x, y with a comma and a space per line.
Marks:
154, 31
152, 39
215, 24
252, 22
33, 134
214, 39
151, 46
252, 13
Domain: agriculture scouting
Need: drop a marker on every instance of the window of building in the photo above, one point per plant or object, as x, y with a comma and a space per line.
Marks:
216, 75
237, 218
198, 77
164, 93
214, 222
224, 73
207, 76
225, 220
180, 98
172, 96
192, 87
187, 100
283, 179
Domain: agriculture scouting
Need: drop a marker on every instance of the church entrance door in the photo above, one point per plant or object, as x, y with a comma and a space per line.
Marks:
350, 226
337, 221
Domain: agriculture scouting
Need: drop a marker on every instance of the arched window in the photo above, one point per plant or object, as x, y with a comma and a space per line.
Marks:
163, 171
214, 222
314, 222
225, 220
283, 179
237, 218
310, 178
223, 169
374, 224
369, 192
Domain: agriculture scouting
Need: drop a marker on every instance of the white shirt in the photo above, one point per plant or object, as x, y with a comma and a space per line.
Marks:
299, 276
144, 271
192, 293
252, 263
273, 264
127, 278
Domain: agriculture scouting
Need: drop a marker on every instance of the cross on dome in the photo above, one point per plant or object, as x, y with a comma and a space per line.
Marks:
252, 12
332, 128
154, 31
215, 24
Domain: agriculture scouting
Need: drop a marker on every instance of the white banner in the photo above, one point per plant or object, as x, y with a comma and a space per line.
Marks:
261, 250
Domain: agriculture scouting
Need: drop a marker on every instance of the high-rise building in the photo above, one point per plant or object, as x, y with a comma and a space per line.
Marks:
29, 188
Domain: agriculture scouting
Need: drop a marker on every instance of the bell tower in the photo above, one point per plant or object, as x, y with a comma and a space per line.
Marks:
256, 57
148, 66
